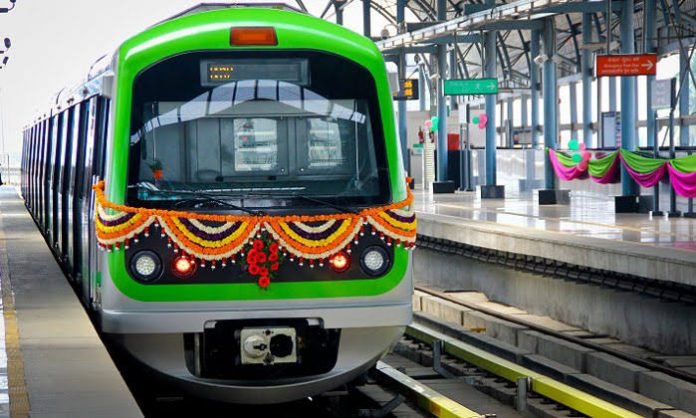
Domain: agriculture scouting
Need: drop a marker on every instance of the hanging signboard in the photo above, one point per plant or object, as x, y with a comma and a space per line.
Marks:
663, 93
625, 65
471, 86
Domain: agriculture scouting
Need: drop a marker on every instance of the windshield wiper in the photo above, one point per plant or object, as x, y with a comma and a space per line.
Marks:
200, 197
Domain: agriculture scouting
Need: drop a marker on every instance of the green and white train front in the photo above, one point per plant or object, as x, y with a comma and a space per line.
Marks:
258, 132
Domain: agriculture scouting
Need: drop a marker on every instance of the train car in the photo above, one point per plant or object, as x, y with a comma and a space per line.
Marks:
226, 192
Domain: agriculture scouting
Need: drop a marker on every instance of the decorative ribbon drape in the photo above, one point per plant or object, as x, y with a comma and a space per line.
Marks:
601, 170
219, 237
646, 171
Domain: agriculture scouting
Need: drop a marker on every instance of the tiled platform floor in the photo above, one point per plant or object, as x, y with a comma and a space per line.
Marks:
588, 215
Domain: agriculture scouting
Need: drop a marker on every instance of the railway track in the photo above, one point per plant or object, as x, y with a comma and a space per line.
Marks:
638, 401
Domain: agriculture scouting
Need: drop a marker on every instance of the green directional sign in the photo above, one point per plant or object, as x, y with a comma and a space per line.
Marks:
471, 86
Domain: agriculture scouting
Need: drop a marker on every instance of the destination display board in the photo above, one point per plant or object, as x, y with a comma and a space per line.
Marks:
408, 89
625, 65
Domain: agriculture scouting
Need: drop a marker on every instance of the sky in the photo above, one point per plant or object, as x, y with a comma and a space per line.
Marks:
55, 42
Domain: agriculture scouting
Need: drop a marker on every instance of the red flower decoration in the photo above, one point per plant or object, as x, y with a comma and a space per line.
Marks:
258, 245
252, 259
273, 257
263, 271
274, 267
254, 270
261, 257
264, 281
274, 248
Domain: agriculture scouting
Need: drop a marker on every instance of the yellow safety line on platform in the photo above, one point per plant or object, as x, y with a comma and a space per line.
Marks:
19, 397
428, 399
559, 392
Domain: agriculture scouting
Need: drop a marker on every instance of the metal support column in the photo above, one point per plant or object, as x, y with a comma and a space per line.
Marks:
441, 103
403, 129
650, 32
550, 100
573, 110
524, 111
612, 94
587, 81
339, 12
628, 98
510, 139
422, 87
684, 82
367, 5
490, 70
534, 80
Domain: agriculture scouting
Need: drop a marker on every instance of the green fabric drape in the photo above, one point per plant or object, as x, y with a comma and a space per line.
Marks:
685, 164
600, 166
565, 159
640, 164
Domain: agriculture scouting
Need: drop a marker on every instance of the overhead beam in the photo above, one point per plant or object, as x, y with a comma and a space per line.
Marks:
512, 25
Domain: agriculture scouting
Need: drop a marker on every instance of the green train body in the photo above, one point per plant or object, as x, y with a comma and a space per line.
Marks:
143, 122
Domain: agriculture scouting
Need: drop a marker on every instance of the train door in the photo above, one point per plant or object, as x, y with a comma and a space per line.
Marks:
76, 142
76, 188
59, 171
65, 202
46, 176
52, 180
39, 175
30, 174
98, 163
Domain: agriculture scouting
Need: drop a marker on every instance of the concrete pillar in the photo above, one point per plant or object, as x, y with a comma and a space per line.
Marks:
534, 49
587, 81
550, 100
367, 5
628, 97
403, 130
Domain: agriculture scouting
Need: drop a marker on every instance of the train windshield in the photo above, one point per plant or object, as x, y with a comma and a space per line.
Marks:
258, 130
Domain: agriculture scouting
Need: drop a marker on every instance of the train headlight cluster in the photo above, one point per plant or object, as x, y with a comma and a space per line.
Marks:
146, 266
374, 261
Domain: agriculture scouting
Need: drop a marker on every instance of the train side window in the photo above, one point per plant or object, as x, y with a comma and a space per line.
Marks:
102, 125
79, 129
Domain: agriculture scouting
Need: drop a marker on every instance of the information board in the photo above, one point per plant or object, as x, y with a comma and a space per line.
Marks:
625, 65
471, 87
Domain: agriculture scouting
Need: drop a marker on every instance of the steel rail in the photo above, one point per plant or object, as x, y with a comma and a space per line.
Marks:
576, 340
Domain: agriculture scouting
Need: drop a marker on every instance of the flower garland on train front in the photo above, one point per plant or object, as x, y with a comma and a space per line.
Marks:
221, 238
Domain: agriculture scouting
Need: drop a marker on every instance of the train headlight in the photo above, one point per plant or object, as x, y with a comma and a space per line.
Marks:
183, 267
146, 266
374, 260
339, 262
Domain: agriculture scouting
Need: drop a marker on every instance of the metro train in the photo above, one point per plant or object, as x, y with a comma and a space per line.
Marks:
226, 193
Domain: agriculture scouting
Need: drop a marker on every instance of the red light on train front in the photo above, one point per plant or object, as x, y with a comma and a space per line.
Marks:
183, 267
257, 36
339, 262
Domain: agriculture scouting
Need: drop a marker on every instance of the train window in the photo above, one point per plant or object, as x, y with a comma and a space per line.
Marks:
320, 136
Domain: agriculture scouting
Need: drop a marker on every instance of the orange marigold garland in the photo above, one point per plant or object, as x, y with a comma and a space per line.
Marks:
217, 238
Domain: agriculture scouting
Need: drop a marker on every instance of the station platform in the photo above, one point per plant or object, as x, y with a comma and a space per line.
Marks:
585, 233
52, 362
